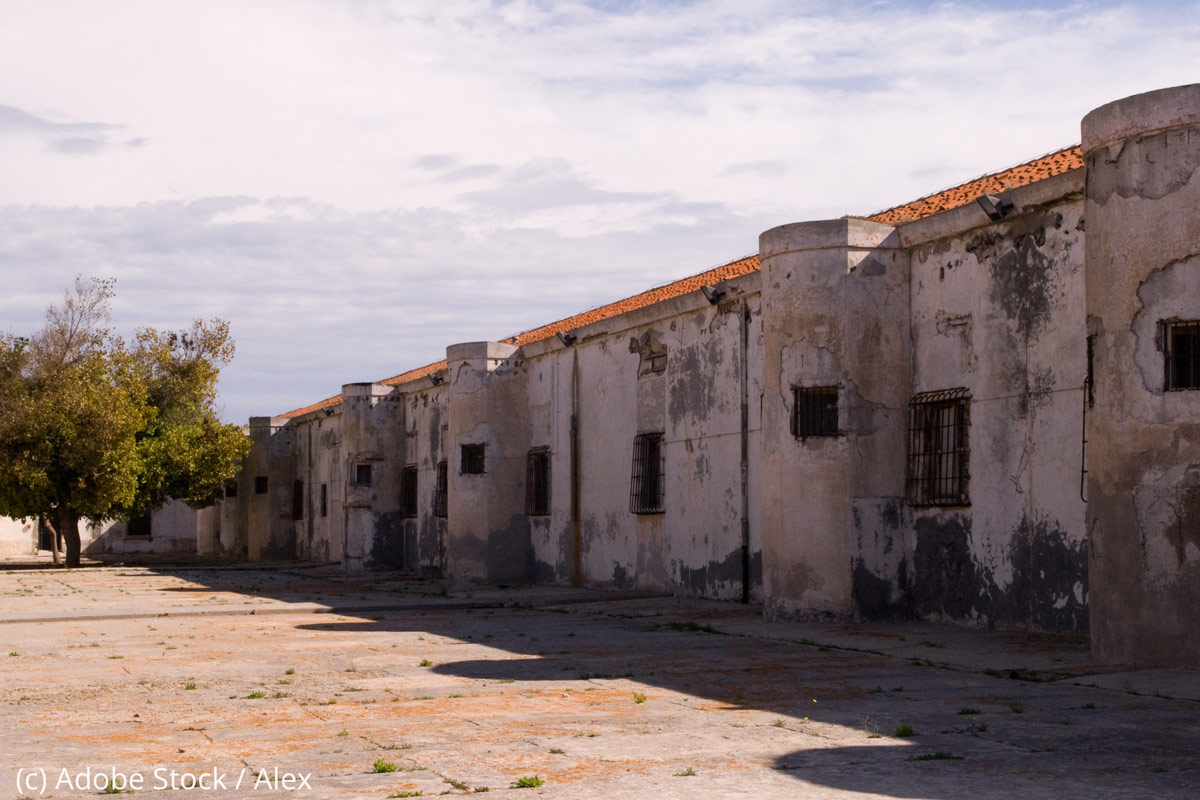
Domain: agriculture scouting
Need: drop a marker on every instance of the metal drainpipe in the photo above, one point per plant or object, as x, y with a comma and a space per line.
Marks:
576, 515
744, 315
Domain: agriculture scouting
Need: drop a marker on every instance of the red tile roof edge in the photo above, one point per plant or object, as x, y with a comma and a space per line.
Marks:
668, 291
1040, 168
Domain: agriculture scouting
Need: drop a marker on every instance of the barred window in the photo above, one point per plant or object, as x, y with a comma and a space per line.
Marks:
646, 487
473, 459
324, 500
260, 484
537, 481
297, 499
938, 454
815, 411
441, 490
1181, 346
408, 491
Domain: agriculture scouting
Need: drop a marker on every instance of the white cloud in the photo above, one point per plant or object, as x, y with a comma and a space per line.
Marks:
355, 185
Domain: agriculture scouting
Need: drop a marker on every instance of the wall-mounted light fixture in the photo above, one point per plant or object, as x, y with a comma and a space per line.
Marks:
996, 206
712, 294
567, 339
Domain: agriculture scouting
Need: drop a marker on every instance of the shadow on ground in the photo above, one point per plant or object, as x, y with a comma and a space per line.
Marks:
972, 734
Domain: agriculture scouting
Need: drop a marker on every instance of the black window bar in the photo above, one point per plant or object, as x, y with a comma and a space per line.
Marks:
441, 490
408, 491
646, 487
938, 453
1181, 346
815, 411
537, 481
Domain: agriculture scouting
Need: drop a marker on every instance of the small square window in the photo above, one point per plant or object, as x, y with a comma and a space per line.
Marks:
815, 411
938, 455
646, 485
537, 481
231, 489
441, 490
138, 527
260, 484
324, 500
1181, 347
362, 474
408, 491
473, 459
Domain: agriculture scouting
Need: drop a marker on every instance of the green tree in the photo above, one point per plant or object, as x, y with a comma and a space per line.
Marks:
92, 427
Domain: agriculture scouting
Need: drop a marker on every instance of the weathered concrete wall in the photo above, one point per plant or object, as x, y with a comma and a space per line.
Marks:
320, 535
488, 533
173, 529
425, 444
372, 438
835, 314
998, 309
606, 383
18, 537
267, 521
1143, 268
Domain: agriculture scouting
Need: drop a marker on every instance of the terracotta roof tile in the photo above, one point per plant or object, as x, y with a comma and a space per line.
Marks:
658, 294
733, 269
1046, 166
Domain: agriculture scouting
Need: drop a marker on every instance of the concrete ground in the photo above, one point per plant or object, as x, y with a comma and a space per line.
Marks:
297, 671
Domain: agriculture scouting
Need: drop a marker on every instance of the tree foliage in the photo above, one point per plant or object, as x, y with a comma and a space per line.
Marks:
91, 426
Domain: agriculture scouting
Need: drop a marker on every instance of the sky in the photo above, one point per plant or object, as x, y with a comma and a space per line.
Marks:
356, 184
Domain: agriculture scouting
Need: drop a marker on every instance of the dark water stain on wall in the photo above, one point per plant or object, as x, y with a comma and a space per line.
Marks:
876, 597
693, 380
509, 555
1047, 568
1022, 280
703, 581
387, 544
621, 579
946, 579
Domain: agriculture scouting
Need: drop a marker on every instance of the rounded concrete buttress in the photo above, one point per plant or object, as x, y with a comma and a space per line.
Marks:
1141, 114
1142, 257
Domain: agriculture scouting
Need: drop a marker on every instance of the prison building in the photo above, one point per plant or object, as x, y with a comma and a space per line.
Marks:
982, 406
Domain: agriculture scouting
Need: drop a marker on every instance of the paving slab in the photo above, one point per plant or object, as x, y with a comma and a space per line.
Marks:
299, 681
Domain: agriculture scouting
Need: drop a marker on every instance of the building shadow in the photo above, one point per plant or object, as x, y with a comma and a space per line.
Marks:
845, 707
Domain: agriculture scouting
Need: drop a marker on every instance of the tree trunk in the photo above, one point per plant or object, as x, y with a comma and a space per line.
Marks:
68, 525
53, 538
